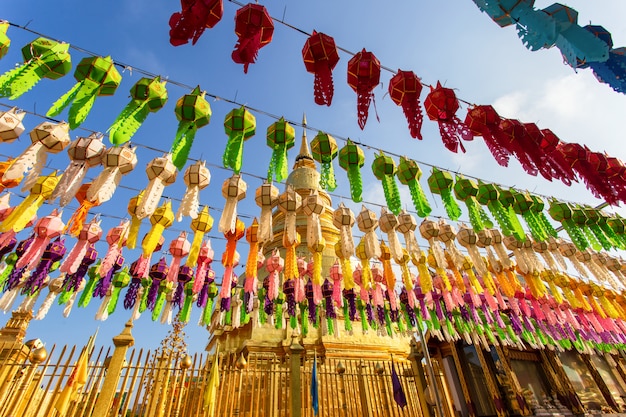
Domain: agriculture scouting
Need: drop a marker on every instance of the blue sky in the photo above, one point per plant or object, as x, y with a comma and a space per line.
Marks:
447, 41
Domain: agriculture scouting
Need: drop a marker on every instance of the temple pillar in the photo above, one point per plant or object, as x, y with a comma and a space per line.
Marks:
122, 342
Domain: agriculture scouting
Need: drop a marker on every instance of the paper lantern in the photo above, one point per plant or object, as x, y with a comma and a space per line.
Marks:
324, 151
352, 158
343, 219
96, 76
162, 218
252, 237
11, 126
161, 172
289, 203
120, 280
239, 125
266, 197
489, 195
466, 190
563, 213
441, 106
388, 222
367, 222
405, 89
363, 77
441, 182
27, 209
407, 225
52, 254
577, 156
193, 112
523, 205
409, 174
320, 58
84, 153
47, 137
507, 199
280, 137
148, 95
193, 19
116, 239
117, 161
230, 258
233, 190
200, 225
484, 121
89, 235
384, 168
197, 177
550, 148
179, 248
46, 229
43, 58
576, 44
5, 41
254, 28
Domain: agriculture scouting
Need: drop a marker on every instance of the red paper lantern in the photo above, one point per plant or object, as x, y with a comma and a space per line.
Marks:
485, 121
195, 17
320, 58
441, 106
578, 158
363, 77
513, 136
549, 146
405, 89
254, 28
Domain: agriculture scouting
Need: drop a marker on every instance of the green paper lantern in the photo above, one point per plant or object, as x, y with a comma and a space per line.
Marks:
466, 190
324, 149
597, 223
562, 212
507, 200
523, 205
280, 137
5, 42
43, 58
120, 280
489, 195
239, 125
96, 76
352, 159
193, 112
409, 174
384, 168
441, 182
538, 207
148, 95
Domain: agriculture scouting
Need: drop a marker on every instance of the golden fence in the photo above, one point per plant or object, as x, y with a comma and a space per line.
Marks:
152, 384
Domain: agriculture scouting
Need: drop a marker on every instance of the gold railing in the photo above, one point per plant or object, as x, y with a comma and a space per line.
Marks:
151, 385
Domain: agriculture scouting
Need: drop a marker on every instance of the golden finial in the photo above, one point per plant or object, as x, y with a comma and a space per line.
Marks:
304, 145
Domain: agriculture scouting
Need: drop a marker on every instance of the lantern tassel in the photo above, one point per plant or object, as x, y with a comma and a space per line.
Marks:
69, 183
190, 204
23, 163
327, 179
183, 141
233, 154
133, 232
356, 183
452, 207
323, 87
103, 187
422, 206
247, 50
128, 122
22, 214
392, 195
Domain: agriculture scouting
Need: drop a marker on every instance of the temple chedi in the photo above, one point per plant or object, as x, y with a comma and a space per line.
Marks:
304, 180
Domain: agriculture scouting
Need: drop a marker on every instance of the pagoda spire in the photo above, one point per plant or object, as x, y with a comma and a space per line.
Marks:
304, 158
